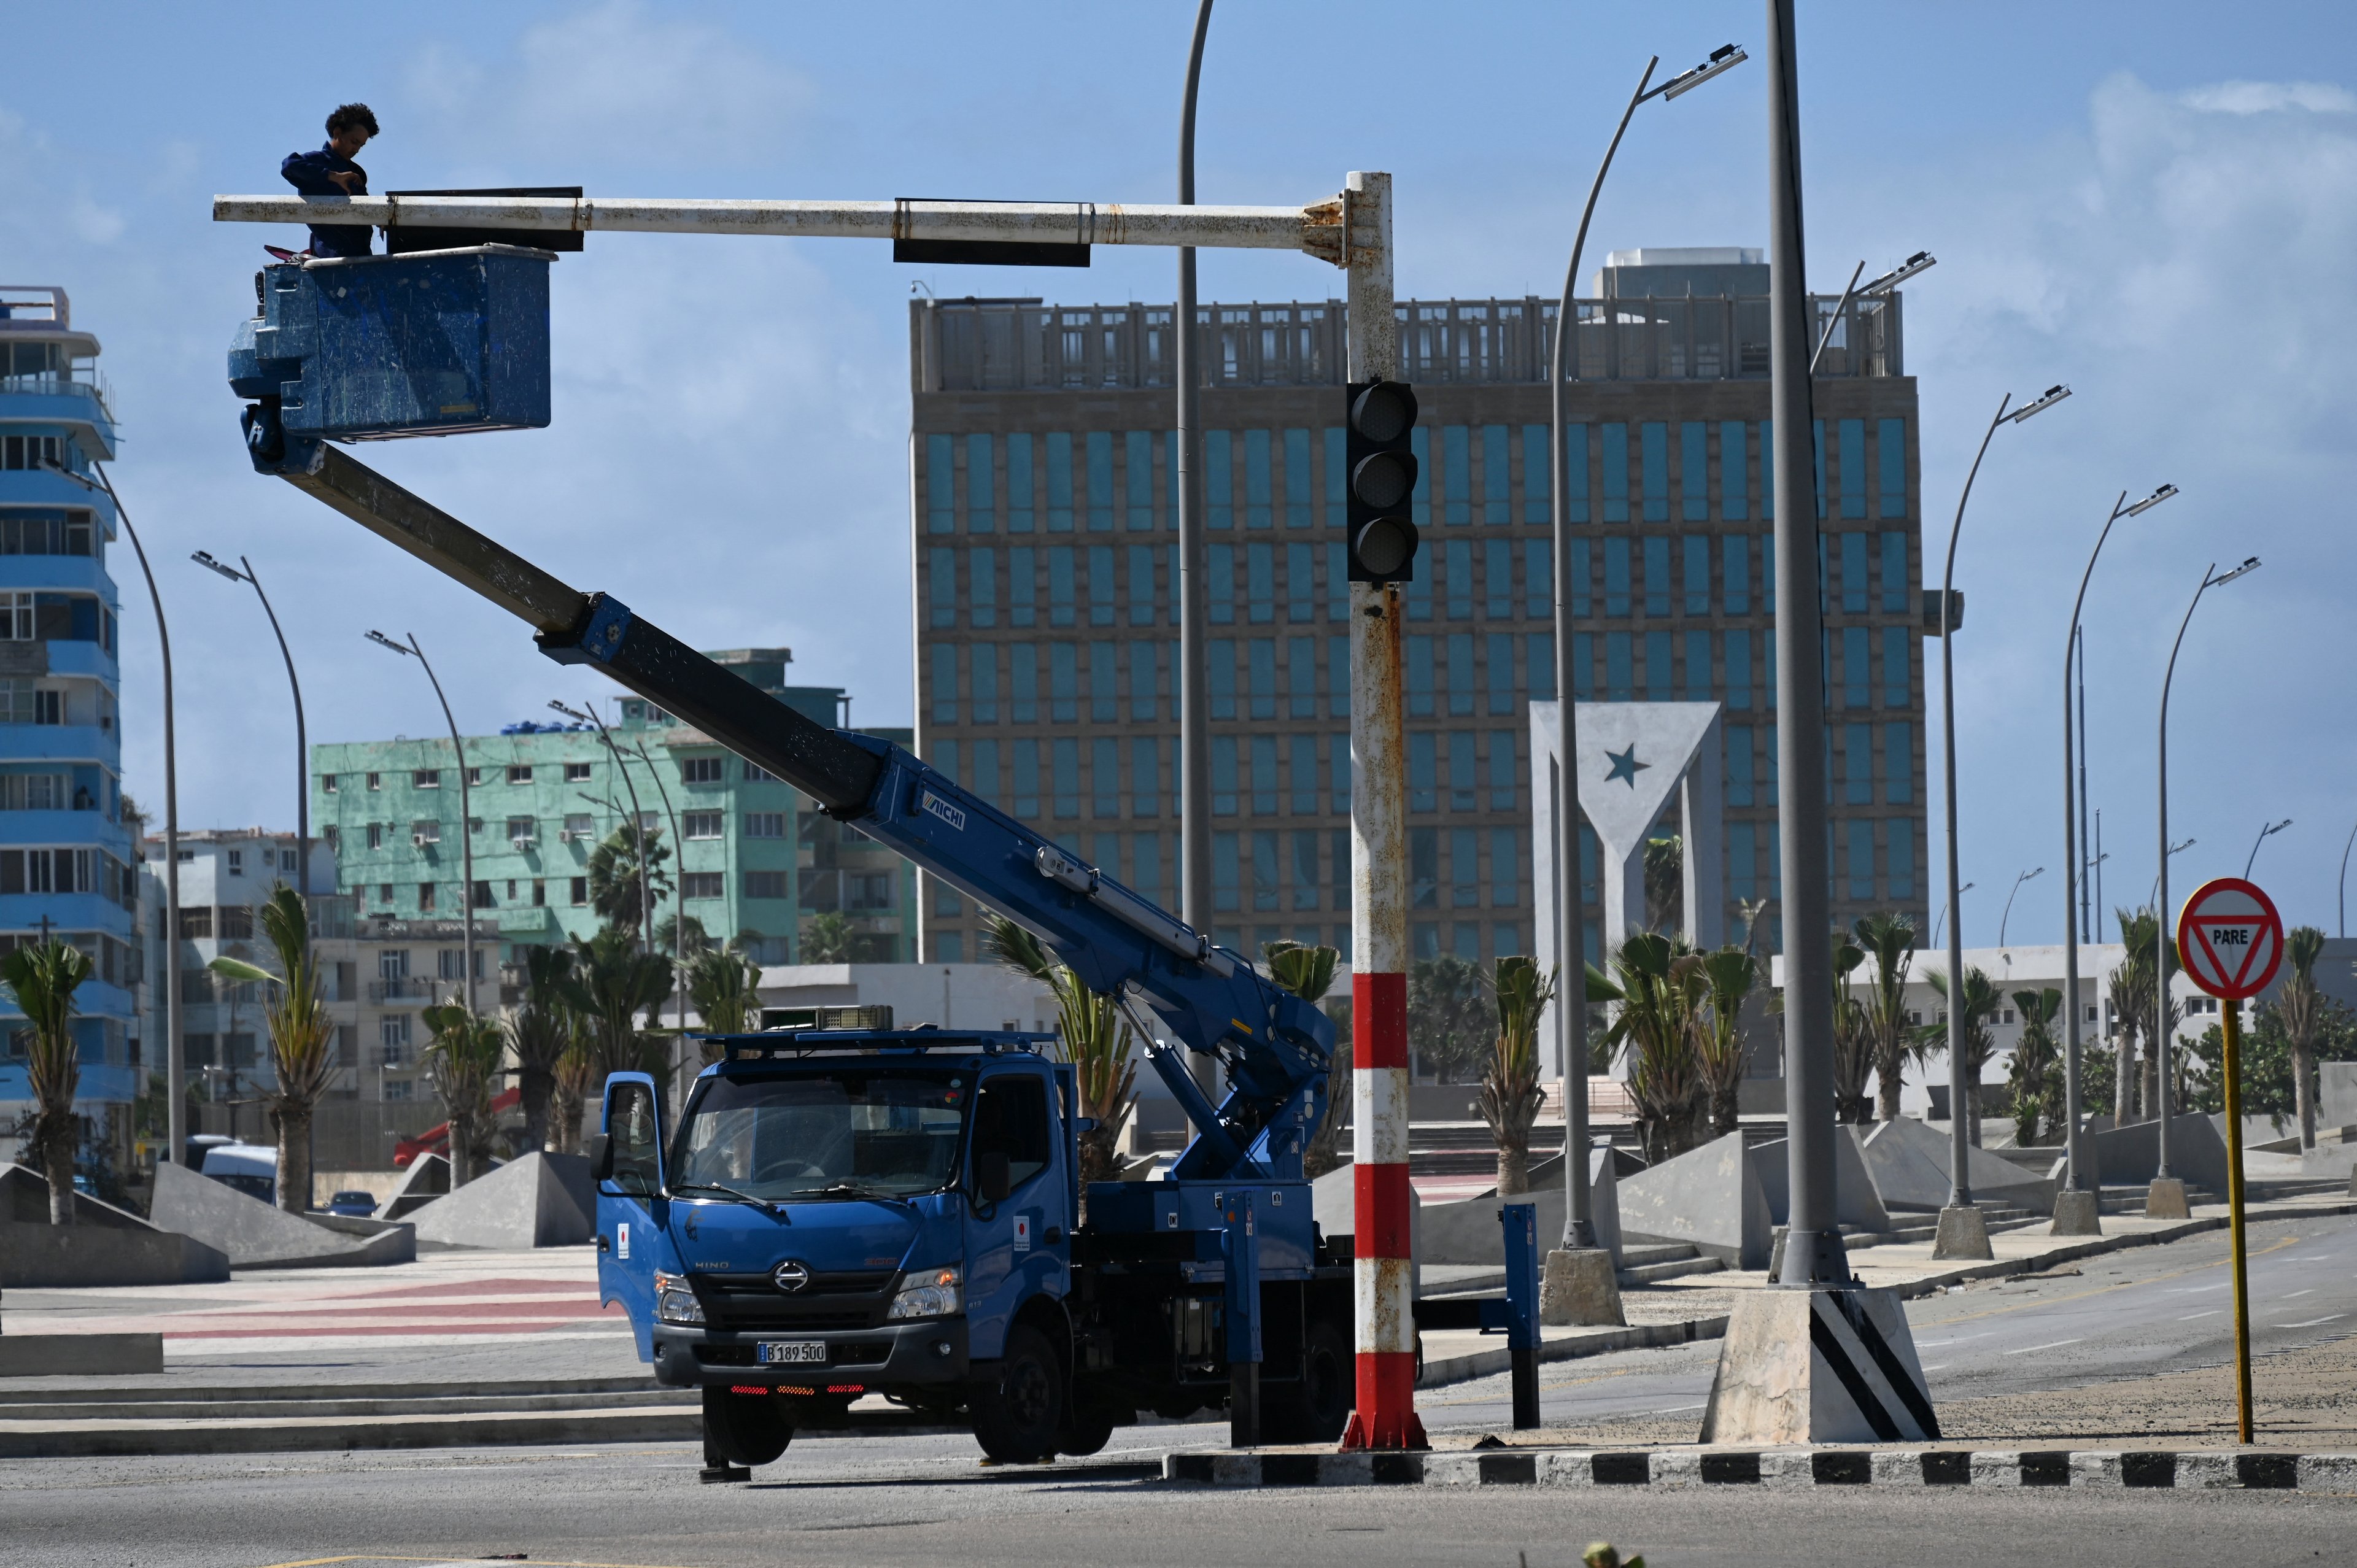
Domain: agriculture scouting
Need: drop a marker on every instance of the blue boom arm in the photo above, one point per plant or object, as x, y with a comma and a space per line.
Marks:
1274, 1045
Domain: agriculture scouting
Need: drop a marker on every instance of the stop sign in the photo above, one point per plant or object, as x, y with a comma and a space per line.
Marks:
2230, 938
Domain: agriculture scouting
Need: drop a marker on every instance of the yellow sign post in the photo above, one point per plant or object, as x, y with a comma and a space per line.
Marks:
2230, 941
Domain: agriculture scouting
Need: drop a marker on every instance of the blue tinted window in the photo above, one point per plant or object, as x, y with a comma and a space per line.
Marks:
1419, 442
1743, 860
1820, 440
1659, 687
1060, 481
1538, 664
1857, 764
1303, 772
1655, 438
1574, 473
1300, 678
1735, 573
1224, 783
1297, 479
1141, 585
1694, 470
1498, 578
1063, 682
1899, 867
1257, 479
1898, 665
1263, 653
1457, 477
1145, 800
1538, 578
1260, 583
1657, 574
1105, 782
1263, 775
1616, 473
1861, 858
1496, 507
1899, 764
1697, 666
1460, 672
1022, 580
1100, 454
1218, 480
1463, 771
1461, 579
1224, 894
1067, 778
1102, 684
1898, 582
1338, 773
1337, 677
980, 486
1616, 576
1025, 687
941, 585
1059, 584
1418, 674
1219, 590
982, 773
1855, 593
1738, 765
945, 683
1891, 439
1736, 647
1100, 585
1137, 480
940, 485
983, 658
1337, 460
1852, 467
1733, 482
982, 594
1145, 689
1619, 668
1423, 772
1337, 582
1027, 778
1858, 677
1221, 676
1301, 585
1698, 564
1418, 592
1501, 672
1505, 775
1019, 484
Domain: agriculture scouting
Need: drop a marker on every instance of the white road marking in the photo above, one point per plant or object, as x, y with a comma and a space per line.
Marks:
2055, 1345
2298, 1294
2195, 1290
2191, 1315
2312, 1321
1941, 1368
1934, 1343
1677, 1409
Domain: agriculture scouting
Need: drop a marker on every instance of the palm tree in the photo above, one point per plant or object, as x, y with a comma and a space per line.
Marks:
1450, 1022
2300, 1007
1889, 938
300, 1033
1659, 986
539, 1032
1854, 1042
2134, 985
43, 976
1980, 1006
1091, 1034
464, 1061
1731, 973
726, 989
2032, 1075
826, 939
576, 1071
1309, 974
1665, 882
1510, 1084
614, 873
1749, 912
610, 982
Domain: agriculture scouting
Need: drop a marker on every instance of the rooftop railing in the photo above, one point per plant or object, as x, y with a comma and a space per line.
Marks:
1026, 345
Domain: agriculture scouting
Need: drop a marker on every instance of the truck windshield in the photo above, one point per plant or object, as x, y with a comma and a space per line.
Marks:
838, 1134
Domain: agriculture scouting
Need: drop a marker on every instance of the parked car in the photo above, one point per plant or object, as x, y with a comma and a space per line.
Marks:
249, 1168
354, 1204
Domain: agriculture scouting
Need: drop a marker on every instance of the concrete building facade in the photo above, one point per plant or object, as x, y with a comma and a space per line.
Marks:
1045, 528
66, 858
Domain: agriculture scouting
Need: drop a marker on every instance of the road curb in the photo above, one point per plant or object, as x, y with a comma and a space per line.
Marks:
1783, 1469
294, 1435
1639, 1337
2097, 1246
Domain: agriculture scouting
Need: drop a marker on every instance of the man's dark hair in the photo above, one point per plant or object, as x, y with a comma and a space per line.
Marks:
350, 114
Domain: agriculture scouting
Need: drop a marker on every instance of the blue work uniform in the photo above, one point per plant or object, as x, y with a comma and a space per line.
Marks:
309, 172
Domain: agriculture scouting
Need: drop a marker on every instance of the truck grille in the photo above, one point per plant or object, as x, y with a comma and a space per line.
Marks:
834, 1299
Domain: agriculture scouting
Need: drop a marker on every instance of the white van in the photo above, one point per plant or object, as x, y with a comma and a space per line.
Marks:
249, 1168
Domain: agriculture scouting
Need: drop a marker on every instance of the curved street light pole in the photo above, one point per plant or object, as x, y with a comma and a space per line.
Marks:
1194, 594
2344, 880
2007, 917
302, 746
2266, 833
2161, 1032
175, 1066
638, 820
466, 809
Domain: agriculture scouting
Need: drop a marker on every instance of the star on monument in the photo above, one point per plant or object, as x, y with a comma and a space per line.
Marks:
1625, 766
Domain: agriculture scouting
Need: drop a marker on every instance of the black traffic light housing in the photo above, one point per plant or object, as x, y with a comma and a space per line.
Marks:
1380, 419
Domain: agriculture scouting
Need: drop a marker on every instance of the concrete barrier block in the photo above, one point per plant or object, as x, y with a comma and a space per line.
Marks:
1573, 1468
2328, 1472
79, 1355
1709, 1196
257, 1235
1467, 1231
34, 1257
2095, 1468
531, 1201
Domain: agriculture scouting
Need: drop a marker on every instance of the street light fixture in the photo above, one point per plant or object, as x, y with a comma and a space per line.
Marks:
1921, 260
1942, 913
410, 650
2345, 848
1960, 1187
2003, 919
2074, 652
2265, 834
1571, 1004
2211, 578
638, 818
302, 747
176, 1067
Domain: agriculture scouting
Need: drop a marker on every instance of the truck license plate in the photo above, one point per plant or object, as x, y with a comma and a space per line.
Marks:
782, 1352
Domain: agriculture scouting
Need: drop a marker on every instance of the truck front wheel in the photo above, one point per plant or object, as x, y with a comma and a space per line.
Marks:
1317, 1408
1018, 1413
743, 1429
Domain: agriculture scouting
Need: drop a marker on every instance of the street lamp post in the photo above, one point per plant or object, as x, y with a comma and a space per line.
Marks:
1921, 260
2084, 1218
1194, 595
638, 818
2344, 880
1571, 942
2006, 918
2265, 834
176, 1065
2172, 1197
1960, 1187
410, 650
1942, 915
302, 747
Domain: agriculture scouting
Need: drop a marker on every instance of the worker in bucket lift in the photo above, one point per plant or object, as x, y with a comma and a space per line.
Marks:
331, 172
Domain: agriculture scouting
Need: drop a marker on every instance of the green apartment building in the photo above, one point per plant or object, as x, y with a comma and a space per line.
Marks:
752, 855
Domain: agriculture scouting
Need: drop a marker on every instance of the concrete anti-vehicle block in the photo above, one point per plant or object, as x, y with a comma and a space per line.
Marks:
1581, 1289
1818, 1366
1709, 1196
1963, 1235
1907, 1162
2165, 1200
1468, 1231
2077, 1214
1856, 1202
532, 1201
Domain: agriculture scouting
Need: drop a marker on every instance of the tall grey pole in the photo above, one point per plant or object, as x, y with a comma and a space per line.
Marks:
1194, 592
2345, 848
302, 746
2086, 920
1813, 1252
2074, 889
678, 885
1571, 938
1960, 1183
466, 824
2161, 1032
175, 1066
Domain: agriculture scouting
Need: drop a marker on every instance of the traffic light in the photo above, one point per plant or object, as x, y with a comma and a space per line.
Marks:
1382, 536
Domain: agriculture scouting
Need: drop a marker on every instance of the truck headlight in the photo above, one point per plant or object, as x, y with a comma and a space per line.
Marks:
929, 1293
675, 1300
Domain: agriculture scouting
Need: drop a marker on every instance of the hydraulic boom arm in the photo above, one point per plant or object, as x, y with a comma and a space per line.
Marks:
1274, 1045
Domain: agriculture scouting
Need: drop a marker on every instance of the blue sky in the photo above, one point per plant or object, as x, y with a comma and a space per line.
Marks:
2131, 197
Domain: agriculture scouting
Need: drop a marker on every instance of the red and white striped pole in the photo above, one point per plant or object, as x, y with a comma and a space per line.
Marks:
1383, 1280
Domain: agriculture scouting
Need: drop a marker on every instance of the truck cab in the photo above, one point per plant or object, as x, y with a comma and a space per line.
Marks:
838, 1213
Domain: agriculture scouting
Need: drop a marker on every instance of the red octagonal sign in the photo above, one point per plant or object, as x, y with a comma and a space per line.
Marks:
2230, 938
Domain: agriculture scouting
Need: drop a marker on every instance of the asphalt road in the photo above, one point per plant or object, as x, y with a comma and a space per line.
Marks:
2124, 1314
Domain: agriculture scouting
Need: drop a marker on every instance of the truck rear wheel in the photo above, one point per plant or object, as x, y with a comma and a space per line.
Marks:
745, 1429
1317, 1408
1018, 1413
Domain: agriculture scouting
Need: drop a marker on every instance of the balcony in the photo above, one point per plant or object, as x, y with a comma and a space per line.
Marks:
80, 406
61, 743
83, 658
411, 988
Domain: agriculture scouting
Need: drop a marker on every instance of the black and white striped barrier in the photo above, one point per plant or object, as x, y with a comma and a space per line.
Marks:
1782, 1469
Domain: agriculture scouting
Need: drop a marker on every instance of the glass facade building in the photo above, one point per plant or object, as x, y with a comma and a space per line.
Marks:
1045, 559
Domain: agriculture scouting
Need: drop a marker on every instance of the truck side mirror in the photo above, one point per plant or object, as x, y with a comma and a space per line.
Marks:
991, 1180
600, 1150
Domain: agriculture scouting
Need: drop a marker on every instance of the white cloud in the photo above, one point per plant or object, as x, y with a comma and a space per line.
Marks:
614, 83
2270, 97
